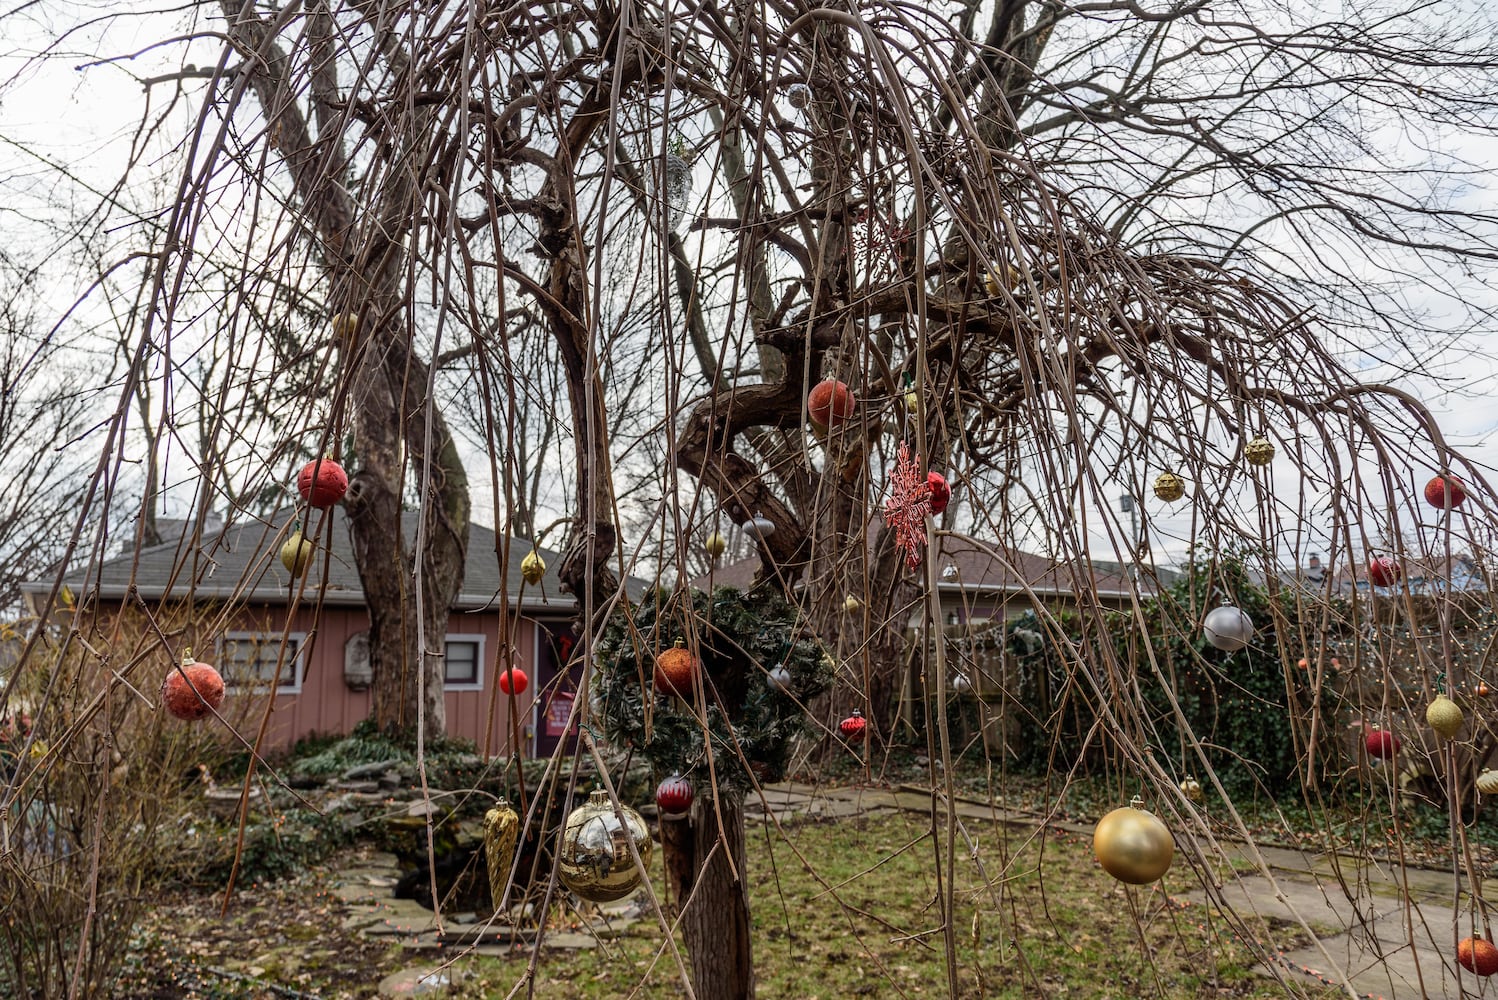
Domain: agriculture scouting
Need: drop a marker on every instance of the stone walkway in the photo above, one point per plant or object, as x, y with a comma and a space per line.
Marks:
1390, 936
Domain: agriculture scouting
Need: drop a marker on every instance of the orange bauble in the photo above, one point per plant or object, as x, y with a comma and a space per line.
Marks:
830, 403
1478, 955
192, 691
675, 670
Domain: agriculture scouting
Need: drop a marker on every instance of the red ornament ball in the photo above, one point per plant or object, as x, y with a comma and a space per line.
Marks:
853, 726
675, 669
941, 493
830, 403
1381, 744
1436, 494
322, 482
513, 681
1478, 955
1383, 571
673, 797
192, 691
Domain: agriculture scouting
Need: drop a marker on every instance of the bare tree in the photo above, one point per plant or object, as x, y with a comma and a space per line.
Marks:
1067, 247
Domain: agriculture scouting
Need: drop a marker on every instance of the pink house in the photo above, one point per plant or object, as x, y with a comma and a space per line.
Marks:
299, 648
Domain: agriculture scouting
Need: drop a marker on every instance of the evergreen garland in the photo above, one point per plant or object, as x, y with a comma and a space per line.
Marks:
739, 638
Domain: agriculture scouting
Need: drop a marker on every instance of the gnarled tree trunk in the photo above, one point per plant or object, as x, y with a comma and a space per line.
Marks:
707, 885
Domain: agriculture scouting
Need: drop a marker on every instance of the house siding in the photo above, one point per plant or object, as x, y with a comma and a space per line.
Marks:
325, 705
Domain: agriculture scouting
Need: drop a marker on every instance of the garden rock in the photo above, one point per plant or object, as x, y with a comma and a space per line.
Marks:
374, 770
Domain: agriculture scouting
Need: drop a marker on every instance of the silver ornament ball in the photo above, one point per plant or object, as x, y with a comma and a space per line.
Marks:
1228, 628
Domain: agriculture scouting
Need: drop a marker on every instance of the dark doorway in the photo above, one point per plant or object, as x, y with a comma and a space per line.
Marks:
556, 688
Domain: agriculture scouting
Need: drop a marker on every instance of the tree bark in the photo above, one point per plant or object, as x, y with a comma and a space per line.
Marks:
393, 419
715, 918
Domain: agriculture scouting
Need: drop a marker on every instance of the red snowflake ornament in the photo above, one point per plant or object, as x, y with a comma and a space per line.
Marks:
908, 504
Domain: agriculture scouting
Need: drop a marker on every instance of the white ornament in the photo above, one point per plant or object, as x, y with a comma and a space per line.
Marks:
780, 678
961, 684
759, 527
1228, 628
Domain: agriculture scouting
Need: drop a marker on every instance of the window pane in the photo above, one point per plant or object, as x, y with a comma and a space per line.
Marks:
250, 660
462, 663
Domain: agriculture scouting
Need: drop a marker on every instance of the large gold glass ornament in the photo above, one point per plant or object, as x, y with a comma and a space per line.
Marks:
1487, 782
1169, 487
595, 857
1133, 845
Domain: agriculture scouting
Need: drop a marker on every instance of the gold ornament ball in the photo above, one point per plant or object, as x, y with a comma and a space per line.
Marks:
345, 326
852, 605
1191, 788
532, 567
1259, 451
296, 553
912, 401
1487, 782
716, 545
1133, 845
1169, 487
1445, 716
994, 285
595, 862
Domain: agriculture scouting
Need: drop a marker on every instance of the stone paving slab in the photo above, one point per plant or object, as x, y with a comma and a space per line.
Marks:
1385, 948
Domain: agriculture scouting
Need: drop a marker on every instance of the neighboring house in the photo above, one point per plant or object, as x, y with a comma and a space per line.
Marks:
229, 597
1427, 575
978, 583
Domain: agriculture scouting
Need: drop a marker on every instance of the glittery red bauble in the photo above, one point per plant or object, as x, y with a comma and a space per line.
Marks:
830, 403
941, 493
853, 726
193, 700
330, 486
1435, 495
1383, 571
1478, 955
673, 797
1381, 744
513, 681
674, 670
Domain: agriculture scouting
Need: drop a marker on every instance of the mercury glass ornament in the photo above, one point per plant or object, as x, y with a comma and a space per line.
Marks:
595, 858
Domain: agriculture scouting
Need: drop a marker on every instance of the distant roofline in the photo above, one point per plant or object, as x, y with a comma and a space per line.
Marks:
310, 597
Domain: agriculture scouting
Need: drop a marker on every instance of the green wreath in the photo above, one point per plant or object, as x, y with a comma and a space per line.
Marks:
739, 638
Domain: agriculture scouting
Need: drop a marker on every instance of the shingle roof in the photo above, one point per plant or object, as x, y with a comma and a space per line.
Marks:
969, 566
241, 562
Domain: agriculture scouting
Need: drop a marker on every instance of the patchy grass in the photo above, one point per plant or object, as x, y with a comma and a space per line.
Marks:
841, 908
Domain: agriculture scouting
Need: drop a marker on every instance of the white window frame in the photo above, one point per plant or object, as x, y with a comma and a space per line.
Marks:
295, 663
477, 638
